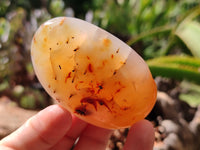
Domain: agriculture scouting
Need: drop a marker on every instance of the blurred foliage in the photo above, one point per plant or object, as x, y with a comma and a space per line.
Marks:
189, 33
190, 93
156, 29
177, 67
56, 7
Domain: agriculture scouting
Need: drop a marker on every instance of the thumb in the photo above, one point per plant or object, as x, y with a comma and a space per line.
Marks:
41, 131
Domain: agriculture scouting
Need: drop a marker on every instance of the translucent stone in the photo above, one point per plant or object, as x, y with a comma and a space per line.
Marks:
91, 73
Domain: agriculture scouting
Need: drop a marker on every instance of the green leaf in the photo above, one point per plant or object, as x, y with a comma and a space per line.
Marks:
152, 32
4, 30
57, 7
4, 85
190, 87
189, 33
192, 98
190, 93
176, 67
28, 102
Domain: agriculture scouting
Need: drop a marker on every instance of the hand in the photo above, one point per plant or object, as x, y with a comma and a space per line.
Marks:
54, 128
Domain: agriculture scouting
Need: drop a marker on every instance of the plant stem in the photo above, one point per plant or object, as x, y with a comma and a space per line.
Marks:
157, 30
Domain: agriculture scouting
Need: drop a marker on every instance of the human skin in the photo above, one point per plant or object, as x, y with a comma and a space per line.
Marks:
54, 128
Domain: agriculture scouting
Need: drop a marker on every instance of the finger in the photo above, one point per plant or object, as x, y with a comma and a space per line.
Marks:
41, 131
5, 148
140, 136
74, 132
93, 137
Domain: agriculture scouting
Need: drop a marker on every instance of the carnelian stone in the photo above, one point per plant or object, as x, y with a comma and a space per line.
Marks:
91, 73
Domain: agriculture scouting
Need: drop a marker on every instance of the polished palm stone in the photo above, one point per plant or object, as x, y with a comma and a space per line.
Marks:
92, 73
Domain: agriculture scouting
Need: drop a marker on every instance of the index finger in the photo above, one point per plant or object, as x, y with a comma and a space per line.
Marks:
140, 137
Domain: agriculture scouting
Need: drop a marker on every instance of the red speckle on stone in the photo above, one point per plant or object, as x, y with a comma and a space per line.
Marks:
81, 110
90, 68
94, 101
90, 101
68, 76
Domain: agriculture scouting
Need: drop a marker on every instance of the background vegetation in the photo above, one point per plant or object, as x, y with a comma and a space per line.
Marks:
165, 33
